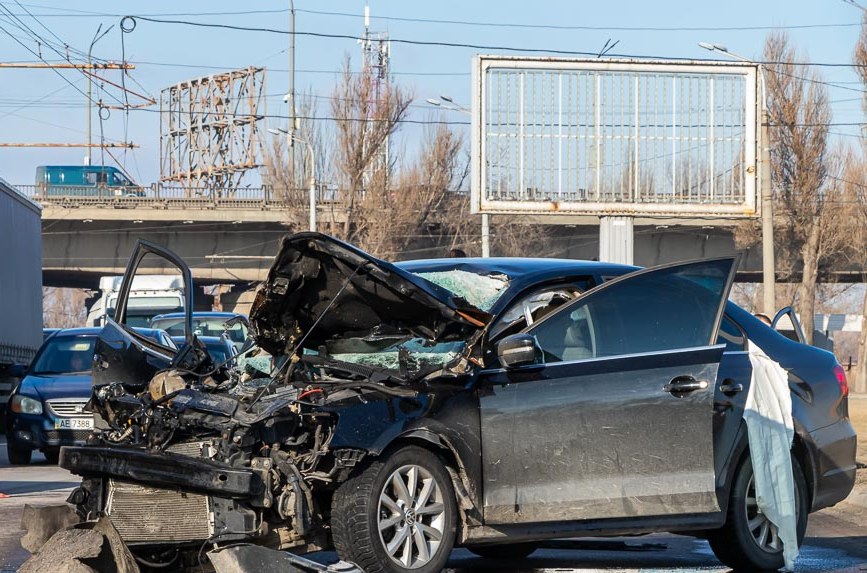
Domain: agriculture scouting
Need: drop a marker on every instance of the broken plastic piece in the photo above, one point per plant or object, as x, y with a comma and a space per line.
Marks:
258, 559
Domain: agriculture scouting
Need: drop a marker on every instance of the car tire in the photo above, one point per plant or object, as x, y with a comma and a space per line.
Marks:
736, 544
513, 551
18, 456
384, 528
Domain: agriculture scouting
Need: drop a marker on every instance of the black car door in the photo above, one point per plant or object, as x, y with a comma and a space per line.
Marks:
122, 355
614, 419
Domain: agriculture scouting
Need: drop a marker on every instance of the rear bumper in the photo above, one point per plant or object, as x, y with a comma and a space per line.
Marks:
832, 449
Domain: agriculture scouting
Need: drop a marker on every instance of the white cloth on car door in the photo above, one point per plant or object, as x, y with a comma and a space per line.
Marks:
768, 414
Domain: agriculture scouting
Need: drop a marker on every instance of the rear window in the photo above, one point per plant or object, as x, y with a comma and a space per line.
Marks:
65, 355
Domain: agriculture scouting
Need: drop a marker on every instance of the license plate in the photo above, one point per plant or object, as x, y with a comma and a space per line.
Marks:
73, 424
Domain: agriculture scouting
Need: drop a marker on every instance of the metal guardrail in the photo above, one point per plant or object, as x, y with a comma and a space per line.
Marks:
160, 197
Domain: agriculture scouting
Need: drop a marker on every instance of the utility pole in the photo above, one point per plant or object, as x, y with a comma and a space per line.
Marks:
291, 101
375, 67
96, 37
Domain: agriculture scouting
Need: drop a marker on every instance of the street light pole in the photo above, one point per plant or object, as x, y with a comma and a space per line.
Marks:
96, 37
311, 188
769, 303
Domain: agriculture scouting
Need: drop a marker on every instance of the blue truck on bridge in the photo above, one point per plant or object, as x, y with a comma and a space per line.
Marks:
84, 181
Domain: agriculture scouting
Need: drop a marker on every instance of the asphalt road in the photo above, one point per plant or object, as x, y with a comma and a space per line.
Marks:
836, 538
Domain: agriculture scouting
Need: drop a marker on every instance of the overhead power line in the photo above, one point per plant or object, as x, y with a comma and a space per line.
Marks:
73, 13
525, 50
567, 27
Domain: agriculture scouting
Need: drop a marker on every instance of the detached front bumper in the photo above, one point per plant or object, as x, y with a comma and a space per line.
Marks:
163, 469
165, 498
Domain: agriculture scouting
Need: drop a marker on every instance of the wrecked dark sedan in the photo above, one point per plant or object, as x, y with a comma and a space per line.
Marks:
393, 412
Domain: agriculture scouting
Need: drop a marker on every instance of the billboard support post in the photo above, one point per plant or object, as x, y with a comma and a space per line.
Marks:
616, 240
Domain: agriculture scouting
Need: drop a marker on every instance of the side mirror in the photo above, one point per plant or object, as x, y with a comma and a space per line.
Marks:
517, 350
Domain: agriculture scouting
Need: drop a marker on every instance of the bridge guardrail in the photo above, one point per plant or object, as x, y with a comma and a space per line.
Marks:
160, 197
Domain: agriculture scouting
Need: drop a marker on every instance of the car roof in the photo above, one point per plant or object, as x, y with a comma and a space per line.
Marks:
516, 267
91, 330
94, 330
522, 272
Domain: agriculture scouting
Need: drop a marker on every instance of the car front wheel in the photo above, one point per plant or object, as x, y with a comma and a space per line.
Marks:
396, 515
748, 540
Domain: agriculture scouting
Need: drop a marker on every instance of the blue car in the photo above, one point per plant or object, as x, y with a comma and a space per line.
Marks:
46, 409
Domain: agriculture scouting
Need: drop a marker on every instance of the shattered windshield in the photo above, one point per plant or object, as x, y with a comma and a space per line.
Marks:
418, 353
481, 291
415, 355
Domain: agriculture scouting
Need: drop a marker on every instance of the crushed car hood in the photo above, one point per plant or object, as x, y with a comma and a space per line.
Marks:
318, 280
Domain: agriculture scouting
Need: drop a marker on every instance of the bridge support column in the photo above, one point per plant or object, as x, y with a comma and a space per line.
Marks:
616, 240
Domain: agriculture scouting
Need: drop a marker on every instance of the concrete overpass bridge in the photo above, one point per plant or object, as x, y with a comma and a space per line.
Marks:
231, 238
226, 238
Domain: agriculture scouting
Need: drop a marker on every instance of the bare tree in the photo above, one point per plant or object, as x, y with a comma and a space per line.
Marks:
412, 207
855, 180
63, 307
855, 227
366, 111
799, 115
286, 169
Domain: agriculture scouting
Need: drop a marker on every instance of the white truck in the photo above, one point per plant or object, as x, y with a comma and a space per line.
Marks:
20, 286
150, 295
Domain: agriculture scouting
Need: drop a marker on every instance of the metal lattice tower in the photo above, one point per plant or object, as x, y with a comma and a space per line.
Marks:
209, 131
376, 54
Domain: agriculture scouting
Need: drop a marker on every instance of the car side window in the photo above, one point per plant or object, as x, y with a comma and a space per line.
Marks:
731, 335
665, 309
535, 305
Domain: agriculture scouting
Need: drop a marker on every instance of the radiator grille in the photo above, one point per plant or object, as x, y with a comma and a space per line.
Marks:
191, 449
65, 436
68, 408
146, 514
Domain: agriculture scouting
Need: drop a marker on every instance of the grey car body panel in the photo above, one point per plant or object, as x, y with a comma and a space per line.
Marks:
595, 439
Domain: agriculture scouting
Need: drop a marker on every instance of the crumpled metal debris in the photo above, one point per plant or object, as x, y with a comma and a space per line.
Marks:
258, 559
40, 523
87, 547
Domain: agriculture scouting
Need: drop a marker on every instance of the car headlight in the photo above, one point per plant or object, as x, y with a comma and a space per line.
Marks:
25, 405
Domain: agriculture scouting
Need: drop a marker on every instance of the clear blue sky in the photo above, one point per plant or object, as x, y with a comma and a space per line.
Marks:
39, 106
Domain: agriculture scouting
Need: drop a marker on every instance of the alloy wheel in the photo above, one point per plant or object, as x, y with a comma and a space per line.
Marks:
411, 516
765, 533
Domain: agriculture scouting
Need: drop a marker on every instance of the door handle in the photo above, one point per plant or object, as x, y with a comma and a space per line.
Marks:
684, 384
730, 387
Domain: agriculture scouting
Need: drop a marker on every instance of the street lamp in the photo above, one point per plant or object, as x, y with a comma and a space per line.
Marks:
446, 102
769, 302
96, 37
312, 187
